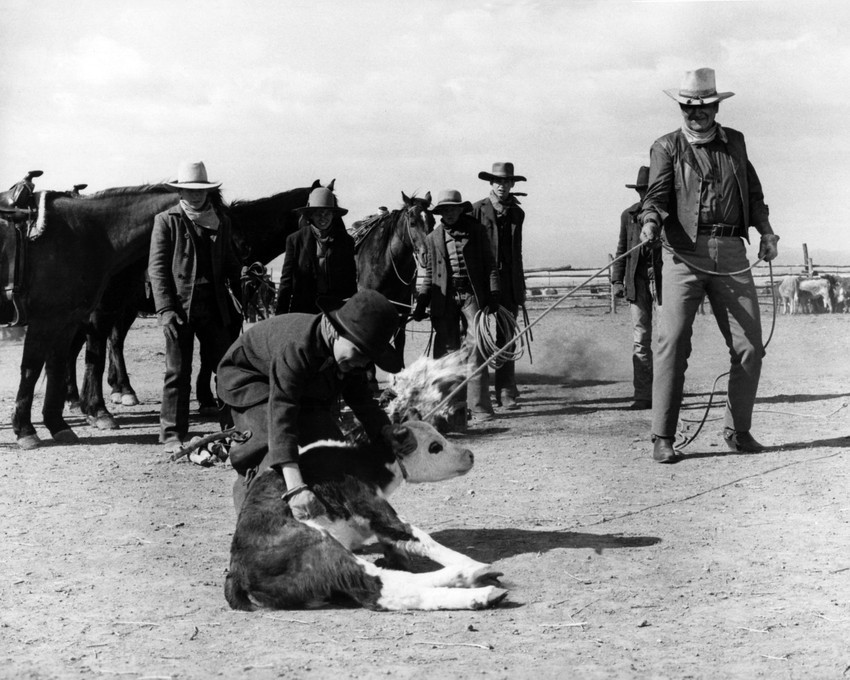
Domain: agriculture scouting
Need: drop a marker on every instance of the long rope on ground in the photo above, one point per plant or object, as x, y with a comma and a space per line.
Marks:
510, 343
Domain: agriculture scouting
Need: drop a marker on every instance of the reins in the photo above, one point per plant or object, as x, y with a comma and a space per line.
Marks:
413, 249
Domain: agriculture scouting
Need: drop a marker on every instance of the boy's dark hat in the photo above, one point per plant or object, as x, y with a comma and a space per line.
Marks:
501, 171
368, 320
642, 179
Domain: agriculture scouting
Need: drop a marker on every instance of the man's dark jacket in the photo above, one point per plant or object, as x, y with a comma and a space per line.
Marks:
675, 182
173, 263
514, 278
286, 362
624, 270
481, 268
299, 277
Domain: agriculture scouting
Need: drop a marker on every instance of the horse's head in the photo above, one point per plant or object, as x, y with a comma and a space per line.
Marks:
420, 219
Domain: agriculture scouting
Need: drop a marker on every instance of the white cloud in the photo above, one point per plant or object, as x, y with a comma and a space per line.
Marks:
100, 60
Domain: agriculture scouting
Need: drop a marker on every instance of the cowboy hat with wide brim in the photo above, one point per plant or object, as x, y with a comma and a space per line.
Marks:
193, 175
698, 88
449, 198
321, 199
501, 172
642, 181
369, 321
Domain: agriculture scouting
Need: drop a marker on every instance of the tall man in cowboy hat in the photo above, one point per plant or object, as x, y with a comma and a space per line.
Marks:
191, 257
637, 277
503, 218
460, 279
319, 260
703, 197
282, 379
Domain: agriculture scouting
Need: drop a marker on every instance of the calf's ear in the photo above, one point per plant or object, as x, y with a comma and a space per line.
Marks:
412, 414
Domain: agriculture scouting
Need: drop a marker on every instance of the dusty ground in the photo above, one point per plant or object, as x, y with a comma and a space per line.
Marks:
722, 566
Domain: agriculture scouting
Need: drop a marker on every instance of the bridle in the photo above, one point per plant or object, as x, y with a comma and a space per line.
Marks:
419, 264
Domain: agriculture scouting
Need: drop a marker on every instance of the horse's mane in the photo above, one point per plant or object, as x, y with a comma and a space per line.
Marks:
366, 227
261, 202
123, 191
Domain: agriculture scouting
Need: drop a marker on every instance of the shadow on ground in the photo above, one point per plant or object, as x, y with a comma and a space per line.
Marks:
489, 545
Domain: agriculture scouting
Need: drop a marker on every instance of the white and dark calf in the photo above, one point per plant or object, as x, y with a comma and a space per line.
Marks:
279, 562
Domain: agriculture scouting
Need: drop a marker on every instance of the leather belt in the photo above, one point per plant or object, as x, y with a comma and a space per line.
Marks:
721, 230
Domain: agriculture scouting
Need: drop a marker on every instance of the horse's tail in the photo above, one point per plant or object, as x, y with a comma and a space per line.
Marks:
236, 594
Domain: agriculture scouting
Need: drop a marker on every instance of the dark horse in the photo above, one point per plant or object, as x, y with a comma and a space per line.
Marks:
86, 240
260, 228
388, 247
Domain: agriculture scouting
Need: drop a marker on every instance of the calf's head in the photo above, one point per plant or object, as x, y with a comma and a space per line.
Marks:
427, 456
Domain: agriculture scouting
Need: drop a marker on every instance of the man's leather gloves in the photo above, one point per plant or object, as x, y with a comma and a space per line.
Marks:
768, 250
619, 289
649, 232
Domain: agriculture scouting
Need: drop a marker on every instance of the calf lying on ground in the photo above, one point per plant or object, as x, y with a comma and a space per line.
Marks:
278, 562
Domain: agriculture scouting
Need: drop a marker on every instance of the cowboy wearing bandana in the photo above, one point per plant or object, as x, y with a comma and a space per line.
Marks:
319, 260
503, 218
191, 257
703, 197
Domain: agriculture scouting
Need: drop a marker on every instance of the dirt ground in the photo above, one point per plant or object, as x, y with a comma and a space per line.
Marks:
721, 566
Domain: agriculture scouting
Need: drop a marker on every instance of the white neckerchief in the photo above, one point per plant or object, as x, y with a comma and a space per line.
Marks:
206, 217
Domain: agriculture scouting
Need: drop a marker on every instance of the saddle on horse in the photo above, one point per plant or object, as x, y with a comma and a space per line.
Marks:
18, 213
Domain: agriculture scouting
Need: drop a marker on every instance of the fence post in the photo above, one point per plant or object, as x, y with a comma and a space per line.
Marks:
807, 262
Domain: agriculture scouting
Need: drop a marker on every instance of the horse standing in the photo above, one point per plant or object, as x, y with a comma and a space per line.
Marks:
86, 239
388, 248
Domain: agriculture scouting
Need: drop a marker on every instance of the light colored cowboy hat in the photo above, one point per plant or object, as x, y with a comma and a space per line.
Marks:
642, 180
369, 321
501, 171
321, 199
193, 175
448, 198
698, 88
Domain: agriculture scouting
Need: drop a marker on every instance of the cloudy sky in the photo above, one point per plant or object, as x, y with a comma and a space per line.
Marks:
390, 95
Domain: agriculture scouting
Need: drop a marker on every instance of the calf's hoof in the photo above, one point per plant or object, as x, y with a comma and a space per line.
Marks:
480, 574
65, 437
29, 442
489, 597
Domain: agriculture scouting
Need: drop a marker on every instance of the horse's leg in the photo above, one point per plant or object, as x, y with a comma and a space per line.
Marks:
72, 391
36, 346
56, 368
119, 378
92, 402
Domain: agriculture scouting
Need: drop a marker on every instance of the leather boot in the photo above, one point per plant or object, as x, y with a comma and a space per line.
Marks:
663, 451
741, 442
508, 401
